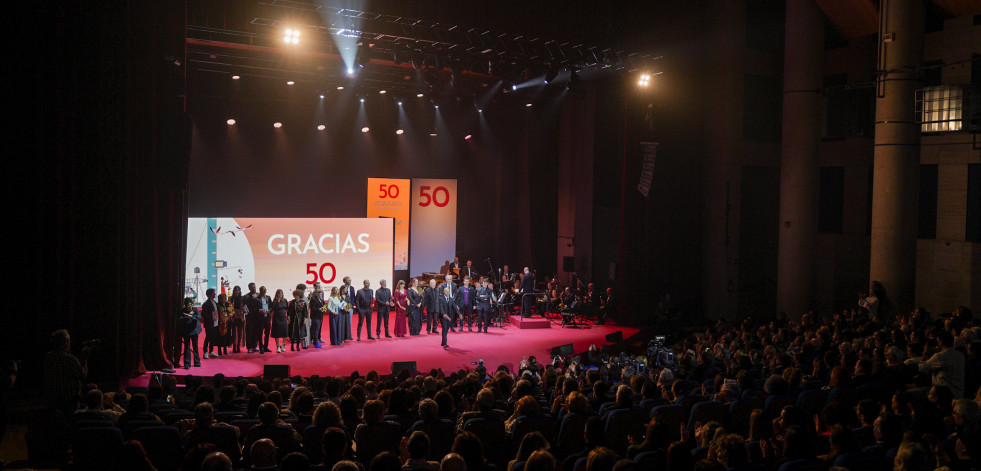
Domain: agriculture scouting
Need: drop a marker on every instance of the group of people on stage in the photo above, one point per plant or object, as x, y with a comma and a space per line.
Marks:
248, 321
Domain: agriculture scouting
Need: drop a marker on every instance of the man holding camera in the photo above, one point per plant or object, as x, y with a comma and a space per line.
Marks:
63, 373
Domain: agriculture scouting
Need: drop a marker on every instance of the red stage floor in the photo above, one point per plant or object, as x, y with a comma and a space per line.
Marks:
501, 345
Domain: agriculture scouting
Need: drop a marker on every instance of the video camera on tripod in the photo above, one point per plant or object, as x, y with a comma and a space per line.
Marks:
659, 355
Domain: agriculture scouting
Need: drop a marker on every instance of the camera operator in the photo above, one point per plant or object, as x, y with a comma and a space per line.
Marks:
63, 373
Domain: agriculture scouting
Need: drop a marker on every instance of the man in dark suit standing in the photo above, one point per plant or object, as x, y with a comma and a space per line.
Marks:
190, 327
264, 302
431, 302
346, 322
485, 296
253, 320
208, 323
383, 306
317, 308
466, 301
447, 311
363, 302
527, 289
448, 283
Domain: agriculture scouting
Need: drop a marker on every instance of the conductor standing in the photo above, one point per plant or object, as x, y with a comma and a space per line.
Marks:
527, 289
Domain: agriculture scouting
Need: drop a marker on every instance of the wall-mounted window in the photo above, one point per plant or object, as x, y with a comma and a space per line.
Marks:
940, 109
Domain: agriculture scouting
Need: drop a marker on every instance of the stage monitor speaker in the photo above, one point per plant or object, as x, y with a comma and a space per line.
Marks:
398, 365
569, 264
275, 371
562, 350
615, 337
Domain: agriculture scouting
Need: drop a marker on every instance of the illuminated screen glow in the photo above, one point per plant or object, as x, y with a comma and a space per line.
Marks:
279, 253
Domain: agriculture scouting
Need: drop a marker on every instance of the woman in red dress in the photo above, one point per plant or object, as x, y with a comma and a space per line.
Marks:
400, 297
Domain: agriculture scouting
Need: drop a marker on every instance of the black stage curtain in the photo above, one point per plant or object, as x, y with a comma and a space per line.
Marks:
98, 195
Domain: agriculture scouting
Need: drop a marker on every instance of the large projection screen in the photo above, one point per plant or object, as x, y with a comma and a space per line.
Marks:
279, 253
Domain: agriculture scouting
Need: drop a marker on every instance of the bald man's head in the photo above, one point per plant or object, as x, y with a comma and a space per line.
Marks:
453, 462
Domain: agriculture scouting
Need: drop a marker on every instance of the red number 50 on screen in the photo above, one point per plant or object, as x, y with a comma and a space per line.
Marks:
434, 199
311, 270
388, 191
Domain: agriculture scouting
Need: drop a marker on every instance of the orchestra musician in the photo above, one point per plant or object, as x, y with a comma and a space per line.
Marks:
608, 306
468, 271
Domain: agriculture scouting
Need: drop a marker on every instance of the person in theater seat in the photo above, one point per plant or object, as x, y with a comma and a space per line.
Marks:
383, 306
400, 299
362, 301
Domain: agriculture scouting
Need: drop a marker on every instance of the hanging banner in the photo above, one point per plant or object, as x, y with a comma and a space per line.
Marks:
389, 198
647, 171
433, 233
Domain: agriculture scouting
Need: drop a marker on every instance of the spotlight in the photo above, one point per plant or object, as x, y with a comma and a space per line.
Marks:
528, 105
400, 132
514, 87
553, 71
467, 137
292, 36
382, 92
432, 134
340, 87
479, 110
400, 102
235, 77
290, 82
350, 71
277, 125
437, 106
364, 129
231, 121
645, 80
362, 100
321, 97
419, 95
321, 127
573, 79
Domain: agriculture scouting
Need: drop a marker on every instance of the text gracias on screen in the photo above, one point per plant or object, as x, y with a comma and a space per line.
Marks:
279, 244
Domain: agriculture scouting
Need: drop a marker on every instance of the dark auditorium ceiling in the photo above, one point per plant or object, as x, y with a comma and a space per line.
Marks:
471, 44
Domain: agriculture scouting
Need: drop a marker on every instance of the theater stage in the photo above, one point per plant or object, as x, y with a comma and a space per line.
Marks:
501, 345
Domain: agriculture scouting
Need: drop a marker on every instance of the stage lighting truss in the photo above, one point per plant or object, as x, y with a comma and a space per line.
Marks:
450, 55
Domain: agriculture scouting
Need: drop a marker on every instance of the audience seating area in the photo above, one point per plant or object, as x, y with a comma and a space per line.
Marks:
848, 390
